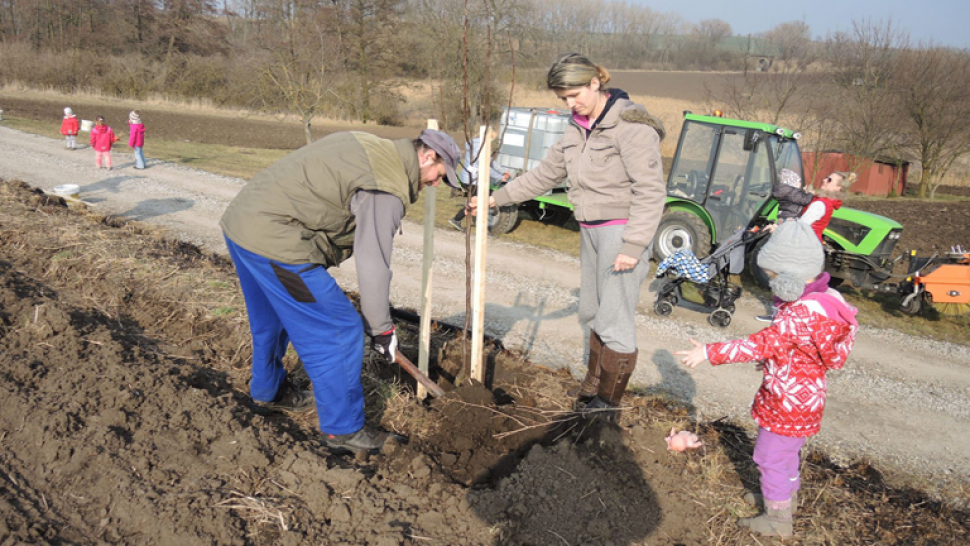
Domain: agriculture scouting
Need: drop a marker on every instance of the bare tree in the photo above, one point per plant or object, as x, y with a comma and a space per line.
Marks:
301, 62
712, 32
370, 53
860, 94
932, 85
788, 90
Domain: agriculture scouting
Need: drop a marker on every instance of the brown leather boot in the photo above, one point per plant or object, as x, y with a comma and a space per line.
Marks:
591, 383
615, 371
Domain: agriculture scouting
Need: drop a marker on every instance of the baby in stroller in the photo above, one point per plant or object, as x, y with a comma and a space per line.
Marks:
710, 275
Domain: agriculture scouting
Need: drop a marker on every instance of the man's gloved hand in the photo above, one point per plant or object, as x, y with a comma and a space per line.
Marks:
386, 344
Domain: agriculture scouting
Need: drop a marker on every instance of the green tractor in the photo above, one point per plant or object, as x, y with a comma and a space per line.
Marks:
720, 181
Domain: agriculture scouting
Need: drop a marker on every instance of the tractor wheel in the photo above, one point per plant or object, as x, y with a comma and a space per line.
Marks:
681, 230
502, 219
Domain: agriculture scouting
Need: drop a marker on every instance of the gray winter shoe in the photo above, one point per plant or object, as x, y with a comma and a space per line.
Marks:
756, 500
775, 522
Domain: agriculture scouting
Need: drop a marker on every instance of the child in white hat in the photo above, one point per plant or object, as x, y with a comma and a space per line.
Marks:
813, 332
792, 198
69, 128
136, 138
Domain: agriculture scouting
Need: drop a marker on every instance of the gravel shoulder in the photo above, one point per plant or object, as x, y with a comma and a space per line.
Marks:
902, 402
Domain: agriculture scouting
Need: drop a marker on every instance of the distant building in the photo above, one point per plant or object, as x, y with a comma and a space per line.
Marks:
878, 176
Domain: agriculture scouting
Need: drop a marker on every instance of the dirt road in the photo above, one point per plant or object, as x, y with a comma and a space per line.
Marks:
903, 402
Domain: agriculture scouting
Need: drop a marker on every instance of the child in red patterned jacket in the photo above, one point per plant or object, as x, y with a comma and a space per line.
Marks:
813, 332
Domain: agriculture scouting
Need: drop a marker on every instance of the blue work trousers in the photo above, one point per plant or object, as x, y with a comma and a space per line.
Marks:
302, 304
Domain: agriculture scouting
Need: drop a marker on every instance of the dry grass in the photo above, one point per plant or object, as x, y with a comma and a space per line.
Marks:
837, 505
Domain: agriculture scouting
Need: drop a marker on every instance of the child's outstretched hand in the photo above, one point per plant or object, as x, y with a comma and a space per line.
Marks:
694, 356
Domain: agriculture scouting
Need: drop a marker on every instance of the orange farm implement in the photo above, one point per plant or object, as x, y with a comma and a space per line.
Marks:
942, 282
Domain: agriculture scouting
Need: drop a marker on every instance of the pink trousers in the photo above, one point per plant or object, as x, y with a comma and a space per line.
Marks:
105, 155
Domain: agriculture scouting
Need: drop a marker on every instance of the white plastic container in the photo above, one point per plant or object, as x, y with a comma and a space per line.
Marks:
68, 190
532, 128
87, 125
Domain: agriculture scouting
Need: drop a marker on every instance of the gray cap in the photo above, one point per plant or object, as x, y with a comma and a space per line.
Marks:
795, 254
447, 150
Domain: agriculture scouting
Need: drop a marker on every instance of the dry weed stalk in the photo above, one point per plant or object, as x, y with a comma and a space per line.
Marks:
260, 510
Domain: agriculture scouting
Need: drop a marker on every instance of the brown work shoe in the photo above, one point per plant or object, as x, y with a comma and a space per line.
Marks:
289, 399
364, 440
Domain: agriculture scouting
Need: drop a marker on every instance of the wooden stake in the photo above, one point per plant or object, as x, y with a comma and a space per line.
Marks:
427, 271
481, 241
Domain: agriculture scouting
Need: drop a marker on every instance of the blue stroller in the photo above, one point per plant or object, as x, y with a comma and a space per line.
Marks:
710, 275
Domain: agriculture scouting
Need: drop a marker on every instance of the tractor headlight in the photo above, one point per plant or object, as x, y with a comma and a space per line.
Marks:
797, 136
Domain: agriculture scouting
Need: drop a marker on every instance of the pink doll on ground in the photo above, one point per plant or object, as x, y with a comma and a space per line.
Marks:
102, 137
682, 441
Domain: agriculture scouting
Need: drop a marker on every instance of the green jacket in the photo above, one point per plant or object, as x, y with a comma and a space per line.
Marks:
297, 210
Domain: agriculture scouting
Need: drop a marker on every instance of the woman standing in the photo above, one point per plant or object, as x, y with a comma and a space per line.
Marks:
611, 154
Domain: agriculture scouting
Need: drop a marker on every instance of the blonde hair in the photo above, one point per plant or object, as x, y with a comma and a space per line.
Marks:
847, 179
575, 70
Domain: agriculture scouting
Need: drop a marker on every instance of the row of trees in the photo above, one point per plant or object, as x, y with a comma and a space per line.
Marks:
868, 92
345, 58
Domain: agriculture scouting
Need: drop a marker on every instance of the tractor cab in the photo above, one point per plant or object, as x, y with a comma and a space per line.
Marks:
722, 174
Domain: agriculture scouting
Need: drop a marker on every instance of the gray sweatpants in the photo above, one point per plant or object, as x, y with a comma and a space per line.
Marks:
608, 300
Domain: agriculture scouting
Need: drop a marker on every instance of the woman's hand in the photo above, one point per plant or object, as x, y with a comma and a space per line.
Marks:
694, 356
472, 207
624, 263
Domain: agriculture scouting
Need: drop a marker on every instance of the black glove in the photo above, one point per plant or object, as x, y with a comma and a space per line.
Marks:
386, 344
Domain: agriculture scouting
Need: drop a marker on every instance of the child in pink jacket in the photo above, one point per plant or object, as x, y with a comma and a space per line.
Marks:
69, 128
102, 137
136, 138
812, 333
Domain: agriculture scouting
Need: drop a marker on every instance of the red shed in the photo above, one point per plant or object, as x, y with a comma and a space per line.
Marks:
880, 176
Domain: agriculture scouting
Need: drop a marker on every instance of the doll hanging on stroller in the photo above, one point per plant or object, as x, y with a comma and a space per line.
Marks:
710, 276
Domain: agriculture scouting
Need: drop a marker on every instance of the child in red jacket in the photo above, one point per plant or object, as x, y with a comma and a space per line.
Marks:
813, 332
818, 213
102, 137
69, 128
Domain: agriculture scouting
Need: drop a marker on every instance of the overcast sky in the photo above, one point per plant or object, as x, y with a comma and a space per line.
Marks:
943, 21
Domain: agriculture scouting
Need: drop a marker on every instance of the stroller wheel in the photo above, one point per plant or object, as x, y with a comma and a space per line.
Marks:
663, 308
730, 308
719, 318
